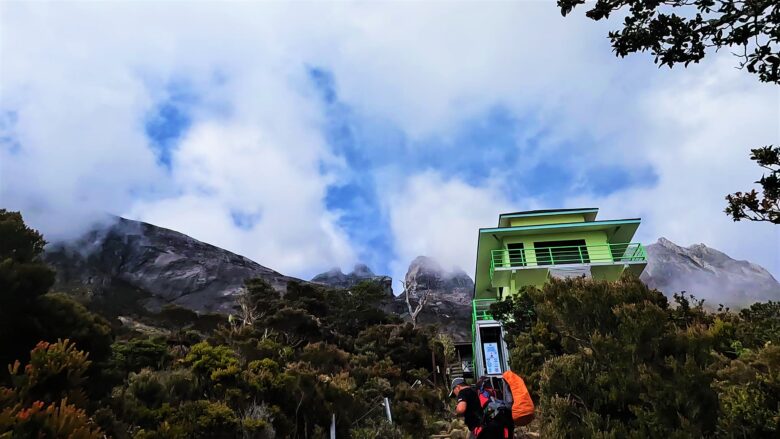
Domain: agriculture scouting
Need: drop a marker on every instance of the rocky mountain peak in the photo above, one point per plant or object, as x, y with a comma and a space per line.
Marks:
663, 242
708, 274
360, 273
425, 273
362, 270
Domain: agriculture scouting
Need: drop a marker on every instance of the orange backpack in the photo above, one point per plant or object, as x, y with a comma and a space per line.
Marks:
522, 404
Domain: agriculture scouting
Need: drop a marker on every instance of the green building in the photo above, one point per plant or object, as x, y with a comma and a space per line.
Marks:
528, 248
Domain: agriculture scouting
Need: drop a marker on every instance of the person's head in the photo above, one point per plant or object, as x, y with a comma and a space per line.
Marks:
456, 386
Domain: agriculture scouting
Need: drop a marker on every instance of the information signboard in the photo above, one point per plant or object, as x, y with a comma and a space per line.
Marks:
492, 360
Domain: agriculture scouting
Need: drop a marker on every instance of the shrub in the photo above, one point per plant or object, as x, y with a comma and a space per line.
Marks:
325, 357
749, 394
59, 316
760, 324
615, 359
55, 371
211, 361
379, 428
55, 420
256, 422
37, 403
135, 354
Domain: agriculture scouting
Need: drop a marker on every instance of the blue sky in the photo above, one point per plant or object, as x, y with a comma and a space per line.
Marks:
307, 138
471, 153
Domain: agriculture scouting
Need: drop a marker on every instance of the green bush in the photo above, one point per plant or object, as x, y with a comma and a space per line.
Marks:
615, 359
27, 313
211, 361
749, 394
760, 324
59, 316
136, 354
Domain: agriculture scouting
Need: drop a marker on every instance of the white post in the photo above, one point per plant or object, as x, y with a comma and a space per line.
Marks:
333, 427
387, 410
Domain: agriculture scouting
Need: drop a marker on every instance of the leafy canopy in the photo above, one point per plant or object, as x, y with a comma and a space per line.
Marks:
752, 206
681, 31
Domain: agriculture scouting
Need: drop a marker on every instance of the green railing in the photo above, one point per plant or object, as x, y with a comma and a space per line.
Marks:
481, 309
566, 255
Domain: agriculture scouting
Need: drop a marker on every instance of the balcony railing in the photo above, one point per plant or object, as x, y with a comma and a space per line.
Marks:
481, 309
615, 253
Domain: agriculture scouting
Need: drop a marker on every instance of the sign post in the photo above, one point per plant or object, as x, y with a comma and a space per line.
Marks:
387, 411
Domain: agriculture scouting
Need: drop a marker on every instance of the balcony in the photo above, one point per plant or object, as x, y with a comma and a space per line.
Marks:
481, 309
505, 260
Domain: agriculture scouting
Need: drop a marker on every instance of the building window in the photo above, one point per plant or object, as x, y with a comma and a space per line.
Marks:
561, 252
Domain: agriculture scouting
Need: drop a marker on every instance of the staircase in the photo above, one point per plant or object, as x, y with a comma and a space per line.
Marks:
455, 370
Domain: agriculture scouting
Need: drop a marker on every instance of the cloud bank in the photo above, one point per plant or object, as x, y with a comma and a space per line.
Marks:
316, 136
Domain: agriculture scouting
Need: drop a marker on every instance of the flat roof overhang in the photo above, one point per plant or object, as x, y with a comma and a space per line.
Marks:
588, 213
618, 231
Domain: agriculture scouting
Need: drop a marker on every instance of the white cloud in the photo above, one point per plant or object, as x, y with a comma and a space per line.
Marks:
222, 168
82, 77
697, 134
432, 215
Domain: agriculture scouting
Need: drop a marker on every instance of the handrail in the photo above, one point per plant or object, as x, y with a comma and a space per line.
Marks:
576, 254
481, 309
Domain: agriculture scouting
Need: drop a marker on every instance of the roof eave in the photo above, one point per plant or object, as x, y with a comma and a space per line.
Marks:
560, 225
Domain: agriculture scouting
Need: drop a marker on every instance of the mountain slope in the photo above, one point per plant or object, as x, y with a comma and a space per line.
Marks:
132, 262
337, 279
708, 274
450, 303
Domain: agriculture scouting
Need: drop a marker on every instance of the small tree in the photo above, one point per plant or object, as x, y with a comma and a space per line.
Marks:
423, 295
247, 309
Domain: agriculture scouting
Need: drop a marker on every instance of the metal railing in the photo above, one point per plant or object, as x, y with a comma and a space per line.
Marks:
565, 255
481, 309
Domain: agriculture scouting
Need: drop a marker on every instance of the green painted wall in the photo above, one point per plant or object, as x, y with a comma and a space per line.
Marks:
539, 277
552, 219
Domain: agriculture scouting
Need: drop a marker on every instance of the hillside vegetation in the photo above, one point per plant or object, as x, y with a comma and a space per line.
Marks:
282, 367
602, 359
617, 360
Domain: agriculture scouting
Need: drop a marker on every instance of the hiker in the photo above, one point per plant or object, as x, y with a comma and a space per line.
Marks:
473, 411
468, 404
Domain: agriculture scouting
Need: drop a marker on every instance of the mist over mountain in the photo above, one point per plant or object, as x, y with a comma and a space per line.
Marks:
130, 263
708, 274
